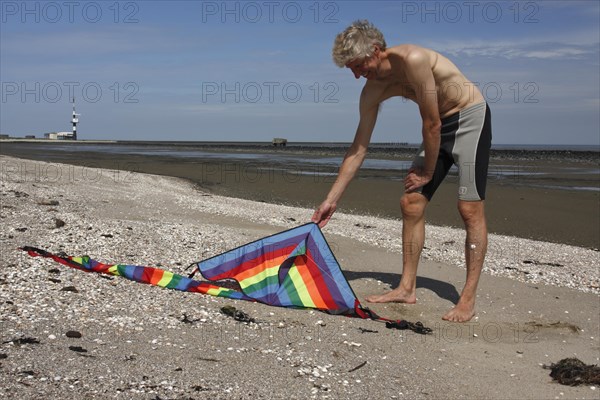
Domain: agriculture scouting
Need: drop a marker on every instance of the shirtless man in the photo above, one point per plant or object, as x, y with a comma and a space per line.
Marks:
456, 130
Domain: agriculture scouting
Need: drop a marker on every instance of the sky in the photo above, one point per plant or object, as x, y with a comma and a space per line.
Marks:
255, 70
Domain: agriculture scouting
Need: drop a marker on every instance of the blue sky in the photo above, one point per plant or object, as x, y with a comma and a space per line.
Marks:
251, 71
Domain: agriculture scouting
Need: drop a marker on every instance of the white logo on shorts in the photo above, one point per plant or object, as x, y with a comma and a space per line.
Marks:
462, 190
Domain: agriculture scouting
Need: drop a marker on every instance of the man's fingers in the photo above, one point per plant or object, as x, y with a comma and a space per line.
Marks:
316, 217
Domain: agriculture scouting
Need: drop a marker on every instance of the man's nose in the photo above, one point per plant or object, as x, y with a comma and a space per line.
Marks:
356, 73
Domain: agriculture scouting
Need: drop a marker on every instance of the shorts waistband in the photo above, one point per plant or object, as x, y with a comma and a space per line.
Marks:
465, 111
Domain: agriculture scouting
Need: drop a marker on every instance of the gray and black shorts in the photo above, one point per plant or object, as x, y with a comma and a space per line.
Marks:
466, 138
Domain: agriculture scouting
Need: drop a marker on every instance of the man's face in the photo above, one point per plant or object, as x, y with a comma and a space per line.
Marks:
362, 67
366, 67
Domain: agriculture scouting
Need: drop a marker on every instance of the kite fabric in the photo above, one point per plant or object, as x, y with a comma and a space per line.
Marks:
293, 268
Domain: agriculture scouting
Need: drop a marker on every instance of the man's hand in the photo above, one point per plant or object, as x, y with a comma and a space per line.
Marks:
323, 214
415, 179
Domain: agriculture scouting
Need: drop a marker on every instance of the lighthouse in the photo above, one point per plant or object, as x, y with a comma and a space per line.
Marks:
75, 120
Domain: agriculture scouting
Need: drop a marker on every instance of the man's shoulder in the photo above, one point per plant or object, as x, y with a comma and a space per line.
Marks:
407, 49
409, 58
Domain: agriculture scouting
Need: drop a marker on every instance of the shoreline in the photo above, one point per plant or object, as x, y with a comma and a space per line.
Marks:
135, 341
378, 150
515, 206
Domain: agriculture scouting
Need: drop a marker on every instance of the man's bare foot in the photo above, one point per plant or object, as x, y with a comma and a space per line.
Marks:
462, 312
397, 295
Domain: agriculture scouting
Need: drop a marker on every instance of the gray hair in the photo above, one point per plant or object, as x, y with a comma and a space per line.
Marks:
356, 41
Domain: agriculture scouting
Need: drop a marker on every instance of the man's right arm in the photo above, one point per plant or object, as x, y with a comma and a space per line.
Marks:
354, 157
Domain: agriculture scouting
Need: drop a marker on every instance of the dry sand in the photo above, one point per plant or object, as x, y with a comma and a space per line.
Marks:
538, 303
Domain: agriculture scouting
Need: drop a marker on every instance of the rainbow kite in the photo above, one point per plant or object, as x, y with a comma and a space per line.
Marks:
294, 268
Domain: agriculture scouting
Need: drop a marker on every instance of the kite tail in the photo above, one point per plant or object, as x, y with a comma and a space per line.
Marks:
64, 260
143, 274
400, 324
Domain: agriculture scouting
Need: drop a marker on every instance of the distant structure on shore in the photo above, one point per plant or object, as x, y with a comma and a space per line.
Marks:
279, 142
66, 135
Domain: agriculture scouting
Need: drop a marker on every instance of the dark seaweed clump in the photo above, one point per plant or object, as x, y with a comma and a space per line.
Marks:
573, 372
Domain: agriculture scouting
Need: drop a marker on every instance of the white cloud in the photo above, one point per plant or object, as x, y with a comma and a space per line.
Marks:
513, 50
564, 46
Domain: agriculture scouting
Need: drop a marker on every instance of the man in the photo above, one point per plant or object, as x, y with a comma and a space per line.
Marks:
456, 129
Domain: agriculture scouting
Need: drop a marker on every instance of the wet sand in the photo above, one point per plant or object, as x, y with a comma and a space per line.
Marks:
514, 206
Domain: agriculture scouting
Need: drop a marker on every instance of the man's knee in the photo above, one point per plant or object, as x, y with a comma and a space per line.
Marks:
471, 211
413, 205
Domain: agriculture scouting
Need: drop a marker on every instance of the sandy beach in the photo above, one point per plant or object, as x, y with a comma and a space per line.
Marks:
538, 302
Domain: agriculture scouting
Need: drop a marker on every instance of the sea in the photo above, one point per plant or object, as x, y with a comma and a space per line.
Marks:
560, 167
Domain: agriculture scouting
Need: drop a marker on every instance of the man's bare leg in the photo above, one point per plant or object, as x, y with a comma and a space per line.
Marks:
473, 215
413, 237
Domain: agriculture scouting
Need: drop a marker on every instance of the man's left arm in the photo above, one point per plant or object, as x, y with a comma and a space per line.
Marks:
420, 75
